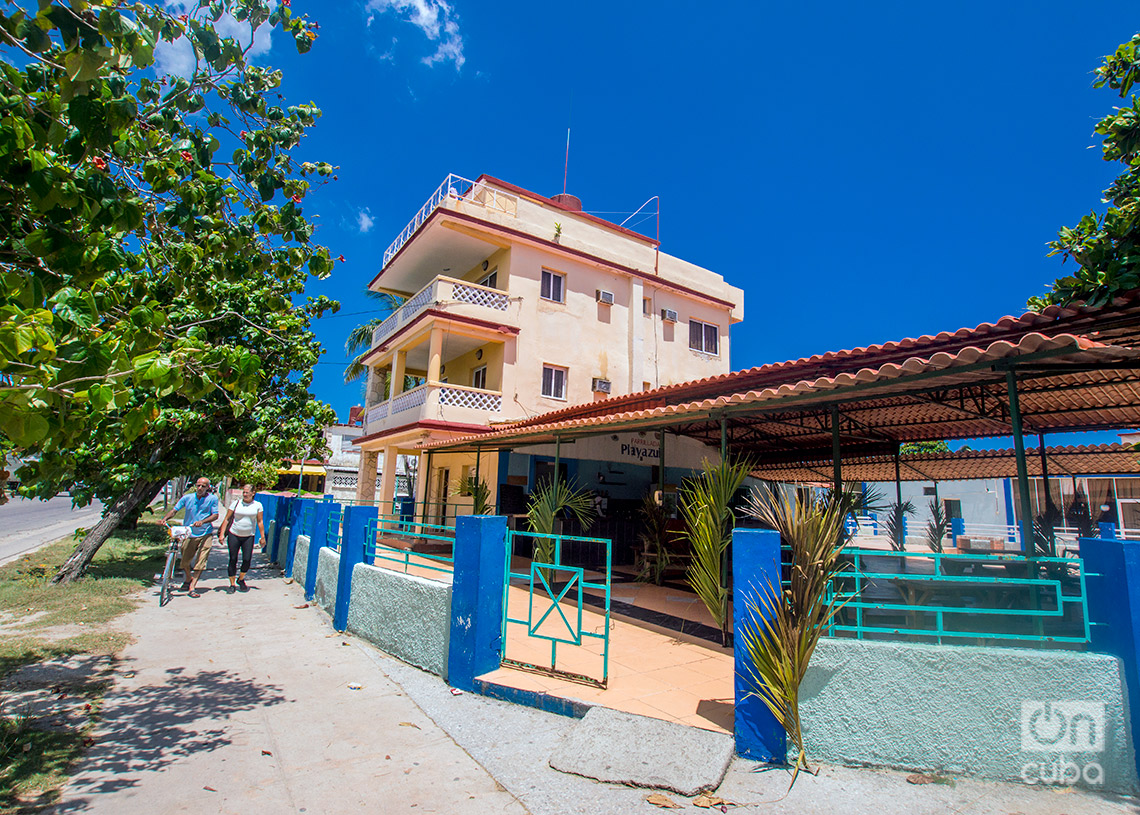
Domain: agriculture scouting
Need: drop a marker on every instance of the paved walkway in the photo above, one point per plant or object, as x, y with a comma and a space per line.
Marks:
242, 704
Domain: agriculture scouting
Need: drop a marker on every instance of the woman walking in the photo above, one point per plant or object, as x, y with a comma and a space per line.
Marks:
240, 525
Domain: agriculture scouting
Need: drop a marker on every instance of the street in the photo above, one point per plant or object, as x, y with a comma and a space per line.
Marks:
27, 524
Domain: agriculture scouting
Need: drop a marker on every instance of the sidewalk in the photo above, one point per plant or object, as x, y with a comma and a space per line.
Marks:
242, 704
212, 683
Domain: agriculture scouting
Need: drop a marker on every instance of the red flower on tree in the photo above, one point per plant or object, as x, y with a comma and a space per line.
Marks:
99, 163
242, 135
296, 199
186, 155
340, 258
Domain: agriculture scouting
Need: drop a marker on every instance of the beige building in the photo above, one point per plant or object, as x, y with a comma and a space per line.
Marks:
517, 304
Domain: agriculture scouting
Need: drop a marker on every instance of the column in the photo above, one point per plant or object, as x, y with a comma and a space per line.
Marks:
366, 476
475, 645
755, 563
399, 365
352, 543
636, 331
435, 355
388, 480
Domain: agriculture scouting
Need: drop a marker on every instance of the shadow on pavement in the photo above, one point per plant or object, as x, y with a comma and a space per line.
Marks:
156, 725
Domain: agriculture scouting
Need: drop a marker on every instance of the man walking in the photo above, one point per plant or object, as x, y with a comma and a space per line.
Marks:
201, 511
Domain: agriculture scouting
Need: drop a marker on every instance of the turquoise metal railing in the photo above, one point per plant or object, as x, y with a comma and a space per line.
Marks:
395, 526
335, 528
1006, 599
543, 578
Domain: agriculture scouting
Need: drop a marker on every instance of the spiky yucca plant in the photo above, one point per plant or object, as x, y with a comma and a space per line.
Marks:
896, 524
786, 623
936, 527
548, 501
480, 493
704, 503
654, 538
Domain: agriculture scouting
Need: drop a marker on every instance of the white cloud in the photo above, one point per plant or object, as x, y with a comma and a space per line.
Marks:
178, 57
364, 221
435, 18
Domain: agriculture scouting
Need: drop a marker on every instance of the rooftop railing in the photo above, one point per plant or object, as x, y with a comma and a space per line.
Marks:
454, 188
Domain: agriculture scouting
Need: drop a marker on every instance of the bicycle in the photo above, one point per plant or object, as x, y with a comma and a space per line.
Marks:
178, 536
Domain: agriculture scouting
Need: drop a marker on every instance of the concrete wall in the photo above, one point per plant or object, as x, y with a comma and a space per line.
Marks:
960, 709
408, 617
282, 547
983, 500
300, 559
327, 567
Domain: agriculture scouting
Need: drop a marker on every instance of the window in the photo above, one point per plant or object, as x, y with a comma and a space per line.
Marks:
491, 281
553, 286
645, 386
704, 337
952, 507
479, 377
553, 382
646, 306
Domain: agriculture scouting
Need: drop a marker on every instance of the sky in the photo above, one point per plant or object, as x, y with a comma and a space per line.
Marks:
864, 171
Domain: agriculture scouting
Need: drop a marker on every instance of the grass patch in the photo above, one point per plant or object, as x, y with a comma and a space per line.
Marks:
42, 622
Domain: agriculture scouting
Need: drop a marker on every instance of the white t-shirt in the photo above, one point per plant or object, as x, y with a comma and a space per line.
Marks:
245, 517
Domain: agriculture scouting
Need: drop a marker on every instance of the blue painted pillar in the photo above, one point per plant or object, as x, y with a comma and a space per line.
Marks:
957, 527
755, 564
268, 511
1007, 485
317, 541
1107, 530
284, 508
303, 510
1112, 584
475, 647
351, 552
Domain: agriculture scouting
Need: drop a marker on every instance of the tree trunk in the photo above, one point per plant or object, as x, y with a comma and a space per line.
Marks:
76, 565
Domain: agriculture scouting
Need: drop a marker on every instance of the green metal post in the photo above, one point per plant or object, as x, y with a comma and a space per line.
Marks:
300, 477
723, 436
661, 467
1022, 470
898, 476
726, 628
557, 455
476, 464
836, 466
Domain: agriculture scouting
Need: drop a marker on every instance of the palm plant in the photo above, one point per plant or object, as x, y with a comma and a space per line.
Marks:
552, 498
787, 621
896, 524
359, 340
705, 508
936, 527
479, 492
854, 502
654, 538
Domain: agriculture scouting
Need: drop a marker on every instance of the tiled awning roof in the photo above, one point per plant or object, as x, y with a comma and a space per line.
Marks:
1082, 460
1076, 368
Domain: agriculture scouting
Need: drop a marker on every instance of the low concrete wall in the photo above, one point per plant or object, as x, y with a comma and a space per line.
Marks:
961, 709
327, 567
407, 616
282, 547
300, 559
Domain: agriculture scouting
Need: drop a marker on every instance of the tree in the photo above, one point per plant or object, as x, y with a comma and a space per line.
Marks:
912, 448
1106, 247
152, 317
359, 340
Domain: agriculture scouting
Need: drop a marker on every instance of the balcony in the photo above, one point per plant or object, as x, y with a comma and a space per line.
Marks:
455, 192
457, 297
435, 401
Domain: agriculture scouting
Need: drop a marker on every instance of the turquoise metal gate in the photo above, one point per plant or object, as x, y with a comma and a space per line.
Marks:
556, 606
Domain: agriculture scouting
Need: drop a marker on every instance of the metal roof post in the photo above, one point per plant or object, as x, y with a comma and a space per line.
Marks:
557, 455
1049, 531
898, 476
427, 489
836, 467
723, 437
661, 467
1022, 470
477, 482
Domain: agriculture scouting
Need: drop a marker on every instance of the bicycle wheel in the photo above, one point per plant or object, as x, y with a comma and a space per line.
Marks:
165, 590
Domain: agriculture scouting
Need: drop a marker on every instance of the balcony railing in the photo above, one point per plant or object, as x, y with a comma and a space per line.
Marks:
454, 188
441, 291
437, 401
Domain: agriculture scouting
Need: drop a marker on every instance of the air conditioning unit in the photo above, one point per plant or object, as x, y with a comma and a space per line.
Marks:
604, 297
668, 315
600, 385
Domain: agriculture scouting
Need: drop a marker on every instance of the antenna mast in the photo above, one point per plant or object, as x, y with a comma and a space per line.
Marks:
566, 166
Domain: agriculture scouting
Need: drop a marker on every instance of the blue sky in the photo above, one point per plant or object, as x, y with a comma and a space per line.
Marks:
865, 172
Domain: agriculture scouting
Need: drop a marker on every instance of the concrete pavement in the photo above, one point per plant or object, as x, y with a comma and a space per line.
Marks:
243, 704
